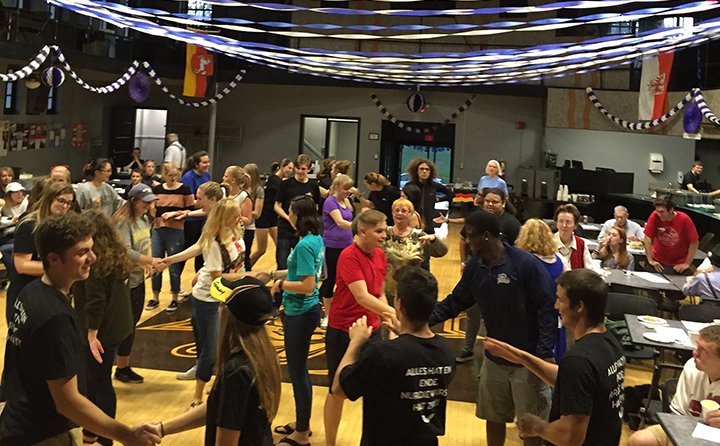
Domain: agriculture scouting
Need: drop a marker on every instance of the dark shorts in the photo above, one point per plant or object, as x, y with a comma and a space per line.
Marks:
266, 220
336, 344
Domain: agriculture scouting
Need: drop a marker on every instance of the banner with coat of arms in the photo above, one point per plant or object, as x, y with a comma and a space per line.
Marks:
199, 68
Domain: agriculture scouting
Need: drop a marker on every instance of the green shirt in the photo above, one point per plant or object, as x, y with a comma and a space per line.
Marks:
305, 260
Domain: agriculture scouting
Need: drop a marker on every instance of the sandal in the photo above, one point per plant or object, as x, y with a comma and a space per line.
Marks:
290, 441
286, 430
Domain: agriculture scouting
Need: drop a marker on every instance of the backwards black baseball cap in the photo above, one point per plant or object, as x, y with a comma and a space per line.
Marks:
248, 299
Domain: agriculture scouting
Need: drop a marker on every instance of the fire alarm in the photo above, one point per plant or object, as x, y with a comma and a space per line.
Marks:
520, 125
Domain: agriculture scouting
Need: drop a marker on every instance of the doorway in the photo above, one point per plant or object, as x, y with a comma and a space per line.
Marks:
398, 147
137, 127
331, 137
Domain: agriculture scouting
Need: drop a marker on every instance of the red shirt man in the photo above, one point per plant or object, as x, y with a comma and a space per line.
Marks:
671, 239
359, 292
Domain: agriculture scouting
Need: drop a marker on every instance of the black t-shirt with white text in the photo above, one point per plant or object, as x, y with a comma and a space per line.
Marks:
44, 343
590, 382
234, 404
404, 385
290, 189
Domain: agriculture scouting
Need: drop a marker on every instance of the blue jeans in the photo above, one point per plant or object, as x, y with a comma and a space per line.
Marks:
298, 331
285, 244
205, 329
167, 241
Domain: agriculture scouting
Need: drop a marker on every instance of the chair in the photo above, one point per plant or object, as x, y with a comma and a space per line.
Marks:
707, 242
620, 304
705, 312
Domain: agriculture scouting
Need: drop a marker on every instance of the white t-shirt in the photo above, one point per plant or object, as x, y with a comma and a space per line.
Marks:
175, 153
214, 262
693, 387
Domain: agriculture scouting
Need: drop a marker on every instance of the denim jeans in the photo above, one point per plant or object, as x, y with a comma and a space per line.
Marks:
285, 244
167, 241
298, 331
205, 329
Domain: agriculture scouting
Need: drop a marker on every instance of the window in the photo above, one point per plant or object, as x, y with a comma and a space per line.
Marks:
52, 101
622, 28
198, 8
10, 103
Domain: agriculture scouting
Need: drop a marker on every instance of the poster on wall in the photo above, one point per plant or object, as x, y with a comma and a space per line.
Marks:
4, 137
38, 135
19, 137
79, 135
56, 135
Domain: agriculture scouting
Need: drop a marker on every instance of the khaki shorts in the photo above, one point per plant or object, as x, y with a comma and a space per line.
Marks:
659, 433
505, 392
73, 437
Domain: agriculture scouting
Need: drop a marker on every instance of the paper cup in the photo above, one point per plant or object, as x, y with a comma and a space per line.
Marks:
708, 406
693, 335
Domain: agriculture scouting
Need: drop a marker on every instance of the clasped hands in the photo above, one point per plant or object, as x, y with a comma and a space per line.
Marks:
143, 435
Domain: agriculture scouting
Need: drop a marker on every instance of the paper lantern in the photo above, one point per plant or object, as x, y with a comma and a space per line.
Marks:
416, 102
692, 117
52, 77
139, 87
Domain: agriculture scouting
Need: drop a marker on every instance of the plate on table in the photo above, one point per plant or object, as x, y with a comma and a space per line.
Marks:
652, 320
661, 338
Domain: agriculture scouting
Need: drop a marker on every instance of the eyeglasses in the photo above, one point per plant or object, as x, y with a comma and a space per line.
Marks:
493, 202
565, 223
63, 202
106, 170
424, 169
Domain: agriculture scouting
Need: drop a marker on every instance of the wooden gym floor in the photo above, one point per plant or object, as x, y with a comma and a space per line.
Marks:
161, 396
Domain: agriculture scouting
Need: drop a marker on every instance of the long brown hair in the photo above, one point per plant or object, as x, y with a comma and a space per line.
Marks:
253, 172
50, 191
621, 256
236, 336
127, 211
112, 255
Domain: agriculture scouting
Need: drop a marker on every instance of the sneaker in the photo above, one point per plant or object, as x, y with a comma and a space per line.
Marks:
174, 305
187, 375
184, 293
465, 356
127, 375
324, 322
152, 304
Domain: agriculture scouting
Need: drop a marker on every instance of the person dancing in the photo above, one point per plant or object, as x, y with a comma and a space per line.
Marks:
299, 287
246, 394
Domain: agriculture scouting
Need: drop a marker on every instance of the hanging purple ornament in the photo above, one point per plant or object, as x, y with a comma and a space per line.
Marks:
692, 117
139, 87
416, 102
52, 77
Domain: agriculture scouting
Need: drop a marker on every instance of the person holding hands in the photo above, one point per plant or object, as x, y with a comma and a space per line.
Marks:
588, 397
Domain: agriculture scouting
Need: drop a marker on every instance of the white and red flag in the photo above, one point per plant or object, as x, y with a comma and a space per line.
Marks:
653, 86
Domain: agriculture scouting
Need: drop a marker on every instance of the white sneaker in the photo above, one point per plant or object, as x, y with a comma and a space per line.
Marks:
324, 322
188, 375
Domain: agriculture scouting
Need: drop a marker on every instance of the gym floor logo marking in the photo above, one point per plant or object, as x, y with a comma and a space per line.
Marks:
451, 330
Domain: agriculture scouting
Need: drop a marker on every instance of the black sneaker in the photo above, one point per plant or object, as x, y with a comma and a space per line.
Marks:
465, 356
152, 304
127, 375
174, 305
